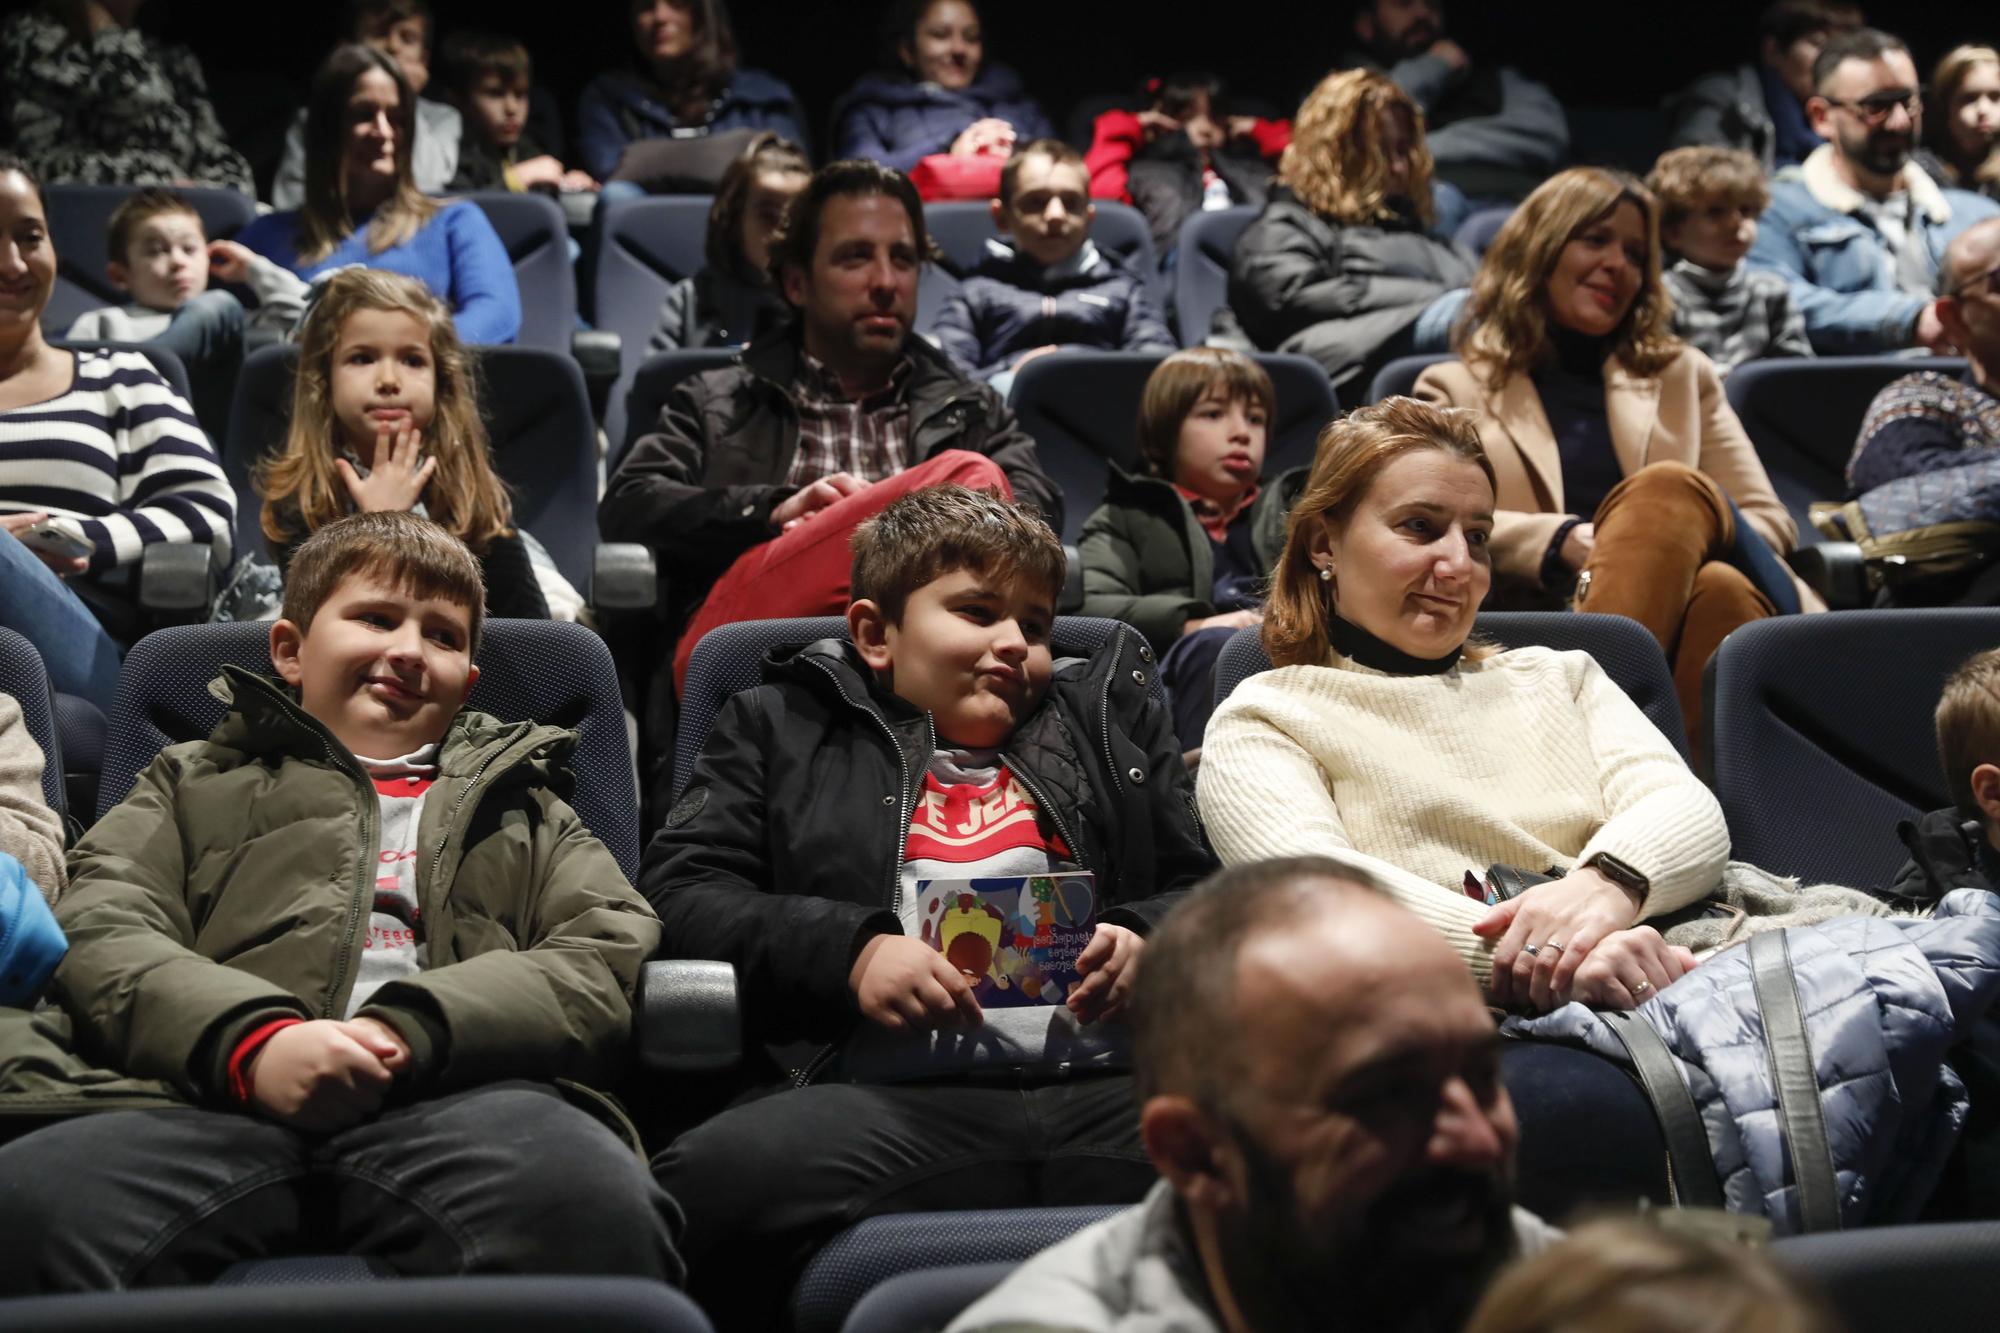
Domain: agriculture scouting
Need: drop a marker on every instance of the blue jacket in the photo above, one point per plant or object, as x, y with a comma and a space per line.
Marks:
622, 107
1841, 273
899, 122
1886, 1000
1011, 304
457, 254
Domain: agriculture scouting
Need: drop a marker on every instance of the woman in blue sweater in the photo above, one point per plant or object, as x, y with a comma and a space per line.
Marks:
686, 83
363, 207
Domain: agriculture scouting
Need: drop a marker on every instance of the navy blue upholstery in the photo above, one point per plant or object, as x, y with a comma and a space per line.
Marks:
79, 223
537, 416
1399, 377
81, 730
23, 676
870, 1252
649, 386
1201, 268
731, 658
1819, 730
1628, 654
962, 228
415, 1305
924, 1301
1082, 408
536, 234
644, 246
1891, 1279
170, 366
530, 670
1481, 225
1804, 415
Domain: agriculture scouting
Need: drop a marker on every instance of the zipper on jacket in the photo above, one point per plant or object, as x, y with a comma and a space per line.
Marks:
451, 820
1020, 773
1104, 710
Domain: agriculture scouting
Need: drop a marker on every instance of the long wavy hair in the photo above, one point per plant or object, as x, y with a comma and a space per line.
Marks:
1505, 329
1949, 77
300, 488
1298, 614
327, 220
1335, 163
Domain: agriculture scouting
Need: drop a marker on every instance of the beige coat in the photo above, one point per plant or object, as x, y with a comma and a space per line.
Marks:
1678, 415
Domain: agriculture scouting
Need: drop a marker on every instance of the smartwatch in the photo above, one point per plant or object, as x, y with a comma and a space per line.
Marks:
1624, 876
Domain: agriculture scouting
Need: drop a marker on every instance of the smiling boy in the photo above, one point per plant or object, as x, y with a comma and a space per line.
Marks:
334, 959
941, 740
1042, 284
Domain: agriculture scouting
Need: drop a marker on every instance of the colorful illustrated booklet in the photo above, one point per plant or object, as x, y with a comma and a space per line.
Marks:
1015, 938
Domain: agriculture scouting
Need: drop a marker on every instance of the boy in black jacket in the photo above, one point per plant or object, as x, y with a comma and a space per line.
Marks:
943, 742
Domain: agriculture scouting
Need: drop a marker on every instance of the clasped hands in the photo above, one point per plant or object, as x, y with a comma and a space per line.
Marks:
326, 1075
1574, 939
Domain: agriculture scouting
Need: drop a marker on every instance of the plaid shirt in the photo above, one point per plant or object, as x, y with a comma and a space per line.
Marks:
868, 437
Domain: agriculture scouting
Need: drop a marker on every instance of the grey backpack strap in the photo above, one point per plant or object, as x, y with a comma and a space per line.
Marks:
1693, 1165
1789, 1049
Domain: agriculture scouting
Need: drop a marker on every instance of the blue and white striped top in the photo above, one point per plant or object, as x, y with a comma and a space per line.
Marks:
117, 458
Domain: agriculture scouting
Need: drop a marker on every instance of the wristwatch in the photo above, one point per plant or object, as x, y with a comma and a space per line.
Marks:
1624, 876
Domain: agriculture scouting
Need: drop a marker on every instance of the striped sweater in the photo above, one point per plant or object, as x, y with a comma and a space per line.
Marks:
118, 459
1531, 758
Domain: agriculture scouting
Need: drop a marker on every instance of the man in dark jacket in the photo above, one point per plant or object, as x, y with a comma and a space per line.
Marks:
1046, 286
757, 473
1760, 108
942, 745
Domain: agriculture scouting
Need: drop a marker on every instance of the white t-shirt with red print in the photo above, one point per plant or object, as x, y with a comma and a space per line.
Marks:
974, 820
394, 945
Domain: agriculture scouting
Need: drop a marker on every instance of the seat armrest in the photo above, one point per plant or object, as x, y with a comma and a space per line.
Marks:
687, 1019
177, 580
599, 353
1070, 600
623, 577
579, 208
1836, 572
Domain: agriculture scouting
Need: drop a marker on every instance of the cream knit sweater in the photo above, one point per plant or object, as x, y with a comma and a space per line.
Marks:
1530, 758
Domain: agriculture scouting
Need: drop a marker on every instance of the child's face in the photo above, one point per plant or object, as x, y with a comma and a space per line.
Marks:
166, 263
1221, 450
1049, 215
1975, 111
764, 209
384, 378
403, 42
383, 669
1717, 234
500, 107
972, 650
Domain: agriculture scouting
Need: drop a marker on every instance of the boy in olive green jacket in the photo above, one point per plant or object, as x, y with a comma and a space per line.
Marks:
333, 961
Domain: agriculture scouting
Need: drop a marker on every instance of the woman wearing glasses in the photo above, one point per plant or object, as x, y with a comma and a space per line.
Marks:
1860, 230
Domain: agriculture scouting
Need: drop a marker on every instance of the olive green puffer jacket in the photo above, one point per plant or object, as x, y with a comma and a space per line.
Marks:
233, 887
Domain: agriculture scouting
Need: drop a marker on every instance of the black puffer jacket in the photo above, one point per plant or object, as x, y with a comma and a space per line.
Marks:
784, 856
1947, 851
1341, 294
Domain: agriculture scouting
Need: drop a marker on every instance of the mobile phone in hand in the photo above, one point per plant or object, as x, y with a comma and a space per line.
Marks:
48, 539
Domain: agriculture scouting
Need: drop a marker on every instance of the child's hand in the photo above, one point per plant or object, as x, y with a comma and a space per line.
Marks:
543, 170
396, 481
374, 1034
1156, 123
578, 181
809, 500
903, 983
321, 1075
229, 262
1108, 965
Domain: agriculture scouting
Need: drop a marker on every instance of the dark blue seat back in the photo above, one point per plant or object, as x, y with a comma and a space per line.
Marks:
536, 234
961, 229
529, 670
650, 385
644, 246
23, 676
1399, 377
1201, 268
1628, 654
925, 1300
1819, 730
537, 417
1082, 409
80, 225
731, 658
1805, 414
1476, 233
1878, 1277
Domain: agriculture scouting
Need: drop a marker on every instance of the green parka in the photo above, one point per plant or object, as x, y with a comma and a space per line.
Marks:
233, 887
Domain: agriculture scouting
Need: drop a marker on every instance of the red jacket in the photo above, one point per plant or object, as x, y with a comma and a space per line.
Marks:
1119, 135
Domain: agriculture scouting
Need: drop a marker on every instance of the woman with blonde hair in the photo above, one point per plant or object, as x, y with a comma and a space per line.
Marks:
1963, 124
1341, 266
1624, 482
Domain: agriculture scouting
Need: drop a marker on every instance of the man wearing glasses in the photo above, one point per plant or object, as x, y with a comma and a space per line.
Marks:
1929, 452
1859, 228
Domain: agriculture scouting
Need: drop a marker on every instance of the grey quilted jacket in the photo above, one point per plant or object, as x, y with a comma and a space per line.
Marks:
1886, 1000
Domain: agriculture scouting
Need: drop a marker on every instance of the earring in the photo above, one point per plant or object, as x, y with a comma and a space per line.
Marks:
1326, 573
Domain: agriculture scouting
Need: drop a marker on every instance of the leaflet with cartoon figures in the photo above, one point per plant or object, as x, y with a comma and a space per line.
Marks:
1014, 938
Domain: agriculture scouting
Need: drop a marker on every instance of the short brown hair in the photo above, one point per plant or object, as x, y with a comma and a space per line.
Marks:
137, 210
1968, 727
1685, 180
793, 243
942, 529
468, 56
1055, 150
408, 552
1351, 451
1180, 382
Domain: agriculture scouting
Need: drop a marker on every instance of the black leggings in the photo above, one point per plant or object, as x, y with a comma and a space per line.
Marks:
1588, 1133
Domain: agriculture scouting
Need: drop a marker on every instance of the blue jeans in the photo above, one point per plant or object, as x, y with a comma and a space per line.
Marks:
81, 658
206, 333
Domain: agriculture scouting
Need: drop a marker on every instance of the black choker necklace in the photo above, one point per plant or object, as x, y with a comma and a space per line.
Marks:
1352, 641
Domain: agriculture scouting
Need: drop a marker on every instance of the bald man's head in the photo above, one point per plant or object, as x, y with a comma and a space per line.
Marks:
1972, 254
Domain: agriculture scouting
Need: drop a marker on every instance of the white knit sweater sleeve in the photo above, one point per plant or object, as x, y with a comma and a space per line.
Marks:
1659, 819
1264, 795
